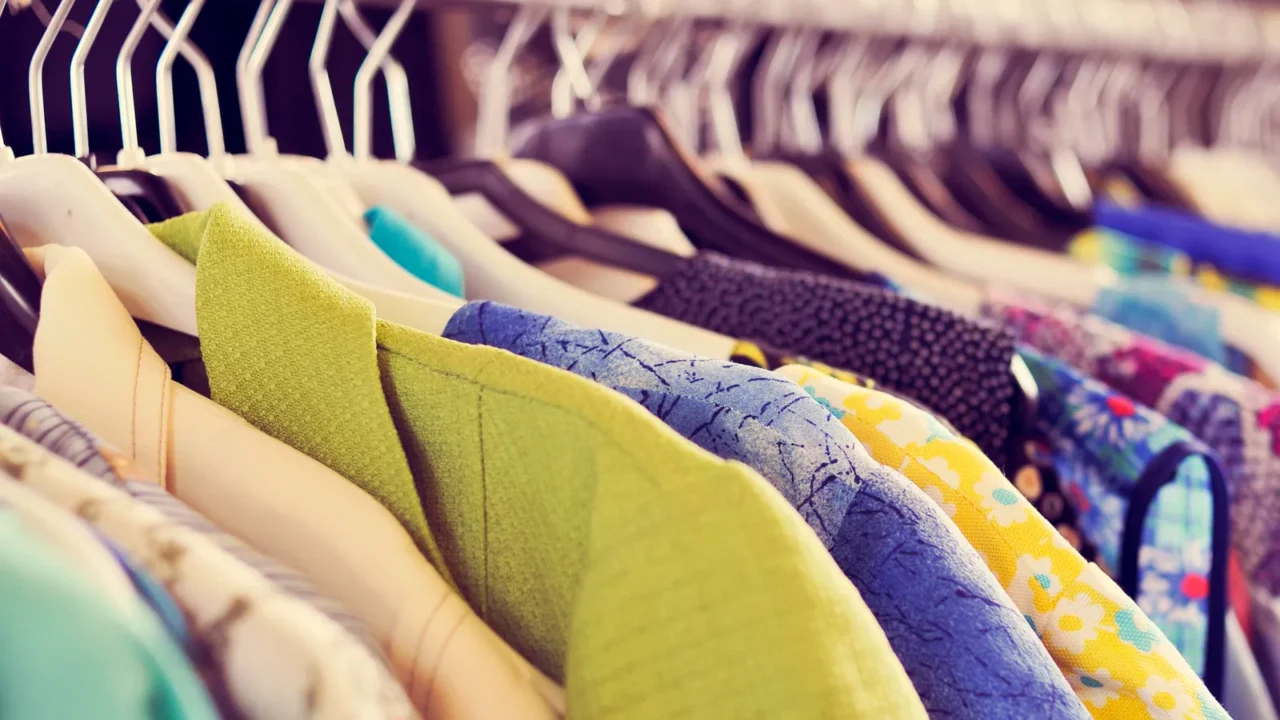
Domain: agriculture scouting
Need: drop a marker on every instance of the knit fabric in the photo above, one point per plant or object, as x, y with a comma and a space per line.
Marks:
1118, 661
915, 570
654, 579
358, 443
957, 366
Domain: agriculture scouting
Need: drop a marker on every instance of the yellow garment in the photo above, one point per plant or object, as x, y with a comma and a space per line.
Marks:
1117, 660
655, 579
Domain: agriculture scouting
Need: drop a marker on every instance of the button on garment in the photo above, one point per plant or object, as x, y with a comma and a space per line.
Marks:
953, 365
1118, 661
968, 651
606, 548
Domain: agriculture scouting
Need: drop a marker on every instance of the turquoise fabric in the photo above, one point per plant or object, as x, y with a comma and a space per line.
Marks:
66, 653
1154, 306
415, 250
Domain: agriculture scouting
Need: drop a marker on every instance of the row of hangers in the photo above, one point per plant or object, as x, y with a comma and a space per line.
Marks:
592, 217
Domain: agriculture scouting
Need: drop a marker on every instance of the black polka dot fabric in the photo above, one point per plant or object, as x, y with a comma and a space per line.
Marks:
956, 366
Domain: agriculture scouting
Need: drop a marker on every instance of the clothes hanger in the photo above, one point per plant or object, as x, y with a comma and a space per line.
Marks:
19, 289
817, 222
545, 234
491, 271
311, 208
56, 199
657, 172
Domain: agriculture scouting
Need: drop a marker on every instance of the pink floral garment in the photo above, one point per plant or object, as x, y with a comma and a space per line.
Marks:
1237, 417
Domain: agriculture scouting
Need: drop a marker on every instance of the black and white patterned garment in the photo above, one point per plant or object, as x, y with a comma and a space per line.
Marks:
957, 366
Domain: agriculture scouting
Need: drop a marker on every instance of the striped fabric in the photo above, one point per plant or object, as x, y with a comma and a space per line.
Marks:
37, 420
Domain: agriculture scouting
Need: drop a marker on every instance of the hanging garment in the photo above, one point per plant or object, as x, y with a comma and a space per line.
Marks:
953, 365
415, 250
277, 657
277, 500
914, 570
1131, 256
616, 555
1152, 498
1237, 418
1117, 660
1030, 458
1153, 306
70, 650
42, 423
1252, 256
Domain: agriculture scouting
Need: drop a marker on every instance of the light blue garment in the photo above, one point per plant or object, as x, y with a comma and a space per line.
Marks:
415, 250
1152, 305
65, 652
969, 653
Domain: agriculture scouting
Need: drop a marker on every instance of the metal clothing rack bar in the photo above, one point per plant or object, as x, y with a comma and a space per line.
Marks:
1191, 30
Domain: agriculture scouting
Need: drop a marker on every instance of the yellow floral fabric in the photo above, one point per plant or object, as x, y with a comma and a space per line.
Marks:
1119, 663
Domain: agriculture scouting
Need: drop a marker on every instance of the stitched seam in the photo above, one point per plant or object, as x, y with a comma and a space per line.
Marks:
484, 496
444, 649
162, 476
414, 684
133, 404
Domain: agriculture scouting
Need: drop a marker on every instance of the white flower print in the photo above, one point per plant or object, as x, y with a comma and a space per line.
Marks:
936, 496
942, 469
1034, 580
1095, 688
1101, 414
1003, 503
874, 401
1167, 700
905, 430
1074, 623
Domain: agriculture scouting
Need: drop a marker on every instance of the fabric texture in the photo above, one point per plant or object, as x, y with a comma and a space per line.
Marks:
42, 423
656, 580
1155, 307
276, 499
914, 569
1131, 256
1151, 497
415, 250
1240, 253
69, 652
1117, 660
277, 657
953, 365
1236, 417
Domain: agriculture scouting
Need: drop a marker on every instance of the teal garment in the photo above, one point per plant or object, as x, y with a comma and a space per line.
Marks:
66, 653
415, 250
1153, 306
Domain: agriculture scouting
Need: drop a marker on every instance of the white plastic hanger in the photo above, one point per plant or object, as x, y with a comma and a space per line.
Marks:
296, 196
198, 185
491, 271
55, 199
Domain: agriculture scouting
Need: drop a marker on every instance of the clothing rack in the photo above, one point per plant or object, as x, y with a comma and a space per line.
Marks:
1180, 30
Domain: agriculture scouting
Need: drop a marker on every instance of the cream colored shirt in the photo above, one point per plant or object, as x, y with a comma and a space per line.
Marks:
93, 364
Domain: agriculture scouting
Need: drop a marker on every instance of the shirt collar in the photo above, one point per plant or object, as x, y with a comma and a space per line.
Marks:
93, 363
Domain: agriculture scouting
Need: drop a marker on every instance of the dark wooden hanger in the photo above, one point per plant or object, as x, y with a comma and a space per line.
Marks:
147, 195
545, 233
626, 155
19, 303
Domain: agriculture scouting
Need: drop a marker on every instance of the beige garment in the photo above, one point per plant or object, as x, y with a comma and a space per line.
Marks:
93, 364
277, 657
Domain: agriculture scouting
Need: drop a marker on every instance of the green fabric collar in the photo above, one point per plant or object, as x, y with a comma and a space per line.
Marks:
266, 294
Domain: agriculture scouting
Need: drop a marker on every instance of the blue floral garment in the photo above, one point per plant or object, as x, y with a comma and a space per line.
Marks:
1151, 497
969, 652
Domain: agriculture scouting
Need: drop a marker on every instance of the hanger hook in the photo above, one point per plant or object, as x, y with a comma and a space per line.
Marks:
164, 89
253, 103
568, 83
79, 103
129, 150
321, 87
256, 132
399, 100
35, 77
363, 127
492, 123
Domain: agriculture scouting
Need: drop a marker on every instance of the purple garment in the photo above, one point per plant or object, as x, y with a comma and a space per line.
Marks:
958, 367
968, 651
